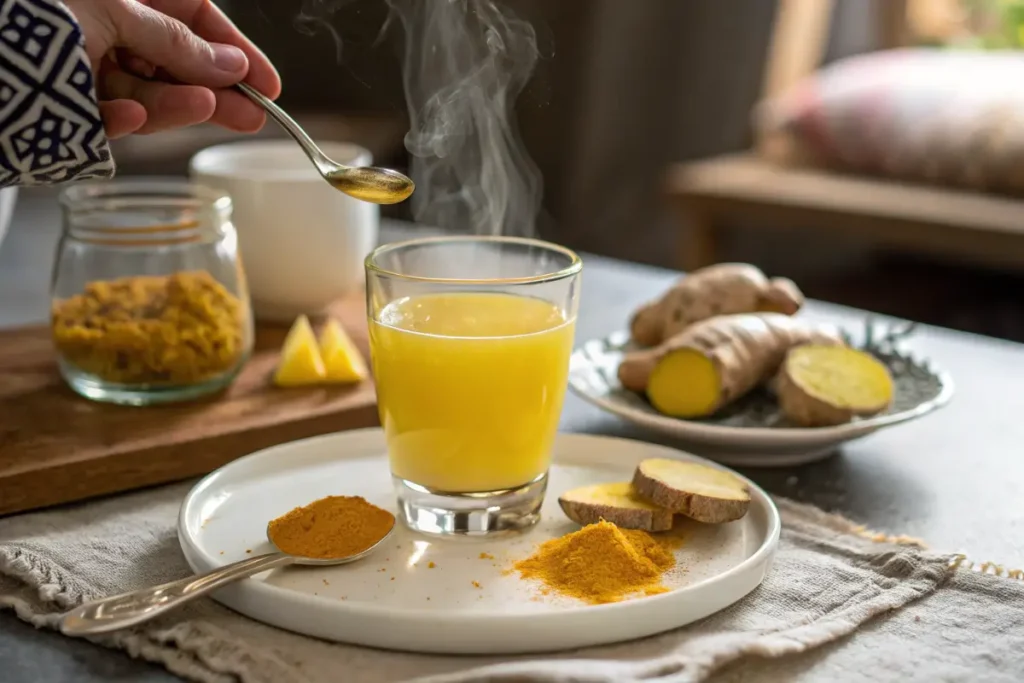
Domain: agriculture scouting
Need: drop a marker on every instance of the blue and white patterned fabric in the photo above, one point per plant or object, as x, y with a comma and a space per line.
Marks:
50, 125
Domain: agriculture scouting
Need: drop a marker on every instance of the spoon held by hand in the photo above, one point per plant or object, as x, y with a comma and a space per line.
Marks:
368, 183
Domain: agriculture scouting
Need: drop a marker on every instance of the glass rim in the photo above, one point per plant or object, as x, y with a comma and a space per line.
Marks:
136, 192
574, 267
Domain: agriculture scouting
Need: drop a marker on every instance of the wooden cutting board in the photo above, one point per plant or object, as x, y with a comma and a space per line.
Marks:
56, 447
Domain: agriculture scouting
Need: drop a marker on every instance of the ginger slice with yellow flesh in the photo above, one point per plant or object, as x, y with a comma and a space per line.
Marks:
822, 386
343, 362
617, 503
300, 363
697, 491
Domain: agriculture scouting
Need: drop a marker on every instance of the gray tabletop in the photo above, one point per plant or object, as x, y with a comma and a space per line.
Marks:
953, 479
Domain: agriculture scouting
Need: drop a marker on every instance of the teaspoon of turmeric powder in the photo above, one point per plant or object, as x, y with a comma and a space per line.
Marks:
331, 529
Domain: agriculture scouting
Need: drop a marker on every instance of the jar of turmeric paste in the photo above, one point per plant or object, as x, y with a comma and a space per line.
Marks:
149, 299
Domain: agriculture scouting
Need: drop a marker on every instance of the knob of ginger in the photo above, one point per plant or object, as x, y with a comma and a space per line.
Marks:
716, 361
721, 289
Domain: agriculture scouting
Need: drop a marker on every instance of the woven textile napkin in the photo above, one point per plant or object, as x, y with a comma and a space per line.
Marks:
837, 606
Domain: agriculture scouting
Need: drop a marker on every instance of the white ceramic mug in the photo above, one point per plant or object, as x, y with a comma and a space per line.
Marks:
302, 242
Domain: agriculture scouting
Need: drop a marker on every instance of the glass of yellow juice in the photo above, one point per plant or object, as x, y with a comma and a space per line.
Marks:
470, 339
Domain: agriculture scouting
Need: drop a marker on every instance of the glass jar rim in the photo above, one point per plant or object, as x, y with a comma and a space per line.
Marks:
109, 194
574, 267
200, 213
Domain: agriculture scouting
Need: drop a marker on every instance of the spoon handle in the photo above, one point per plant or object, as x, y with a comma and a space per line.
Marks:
289, 125
128, 609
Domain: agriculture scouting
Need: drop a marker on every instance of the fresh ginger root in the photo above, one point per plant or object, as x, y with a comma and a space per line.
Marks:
697, 491
721, 289
617, 503
716, 361
822, 386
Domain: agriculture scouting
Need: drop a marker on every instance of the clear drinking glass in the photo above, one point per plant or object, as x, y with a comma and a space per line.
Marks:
149, 299
470, 339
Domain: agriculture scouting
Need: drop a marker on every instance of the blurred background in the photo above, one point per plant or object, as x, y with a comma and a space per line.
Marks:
873, 176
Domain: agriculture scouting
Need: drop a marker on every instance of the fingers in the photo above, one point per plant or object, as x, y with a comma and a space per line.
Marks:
134, 64
184, 41
233, 111
166, 105
168, 43
210, 23
236, 112
122, 117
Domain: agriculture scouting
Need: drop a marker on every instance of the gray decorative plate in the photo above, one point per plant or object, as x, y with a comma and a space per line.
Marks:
751, 432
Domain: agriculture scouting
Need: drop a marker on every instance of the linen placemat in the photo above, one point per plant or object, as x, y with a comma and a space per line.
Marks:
839, 605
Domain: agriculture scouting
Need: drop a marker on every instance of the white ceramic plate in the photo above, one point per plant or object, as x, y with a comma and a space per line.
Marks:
394, 600
753, 434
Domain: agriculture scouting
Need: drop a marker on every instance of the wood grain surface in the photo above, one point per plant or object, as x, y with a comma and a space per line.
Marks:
744, 190
56, 447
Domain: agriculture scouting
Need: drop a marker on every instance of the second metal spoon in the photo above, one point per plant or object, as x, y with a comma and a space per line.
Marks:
368, 183
130, 609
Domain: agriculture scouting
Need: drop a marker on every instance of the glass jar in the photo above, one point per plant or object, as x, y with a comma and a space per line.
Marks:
149, 299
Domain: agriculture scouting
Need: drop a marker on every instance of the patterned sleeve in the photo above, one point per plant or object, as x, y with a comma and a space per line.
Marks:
50, 125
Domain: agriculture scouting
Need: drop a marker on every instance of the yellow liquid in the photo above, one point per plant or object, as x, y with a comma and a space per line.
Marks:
470, 387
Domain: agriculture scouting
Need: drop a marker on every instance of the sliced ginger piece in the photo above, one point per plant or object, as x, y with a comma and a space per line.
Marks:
300, 363
342, 361
697, 491
616, 503
821, 386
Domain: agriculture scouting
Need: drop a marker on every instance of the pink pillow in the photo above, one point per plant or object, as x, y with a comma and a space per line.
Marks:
952, 117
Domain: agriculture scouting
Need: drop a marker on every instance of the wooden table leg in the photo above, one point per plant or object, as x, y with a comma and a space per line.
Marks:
698, 245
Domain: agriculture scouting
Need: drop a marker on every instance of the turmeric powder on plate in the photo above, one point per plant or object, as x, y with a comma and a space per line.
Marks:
331, 528
183, 328
600, 563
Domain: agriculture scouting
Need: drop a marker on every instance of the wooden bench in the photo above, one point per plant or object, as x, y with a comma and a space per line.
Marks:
752, 191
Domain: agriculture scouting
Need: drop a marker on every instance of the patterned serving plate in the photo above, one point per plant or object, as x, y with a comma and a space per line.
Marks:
752, 432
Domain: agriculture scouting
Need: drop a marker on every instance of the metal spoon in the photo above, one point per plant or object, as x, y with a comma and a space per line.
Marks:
368, 183
129, 609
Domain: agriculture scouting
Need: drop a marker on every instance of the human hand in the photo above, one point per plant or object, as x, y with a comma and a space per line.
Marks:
163, 64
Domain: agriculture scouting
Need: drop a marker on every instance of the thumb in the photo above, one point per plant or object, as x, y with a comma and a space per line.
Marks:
169, 44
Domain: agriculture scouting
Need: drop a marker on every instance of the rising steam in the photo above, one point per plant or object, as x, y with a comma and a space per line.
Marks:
465, 62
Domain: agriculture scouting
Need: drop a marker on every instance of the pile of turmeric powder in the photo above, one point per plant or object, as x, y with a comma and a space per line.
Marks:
601, 563
331, 528
175, 329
